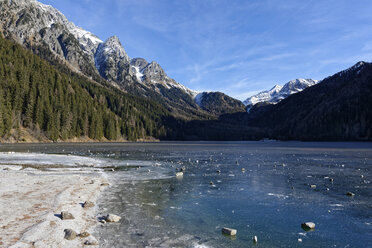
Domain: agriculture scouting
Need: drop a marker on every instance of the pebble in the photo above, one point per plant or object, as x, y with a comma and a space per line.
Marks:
350, 194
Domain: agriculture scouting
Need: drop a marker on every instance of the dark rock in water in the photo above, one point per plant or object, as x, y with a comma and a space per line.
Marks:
218, 171
211, 183
350, 194
229, 231
84, 235
70, 234
88, 204
66, 216
307, 226
331, 180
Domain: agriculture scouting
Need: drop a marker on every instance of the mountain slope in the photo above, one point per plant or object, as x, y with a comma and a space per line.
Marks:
338, 108
42, 103
41, 27
218, 103
278, 93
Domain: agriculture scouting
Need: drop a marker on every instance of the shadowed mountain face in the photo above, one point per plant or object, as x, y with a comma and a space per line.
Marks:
42, 27
218, 103
338, 108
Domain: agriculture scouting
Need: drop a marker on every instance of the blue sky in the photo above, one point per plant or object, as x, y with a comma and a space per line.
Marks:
238, 47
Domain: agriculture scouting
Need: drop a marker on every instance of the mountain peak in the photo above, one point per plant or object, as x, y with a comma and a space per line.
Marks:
355, 68
113, 47
278, 93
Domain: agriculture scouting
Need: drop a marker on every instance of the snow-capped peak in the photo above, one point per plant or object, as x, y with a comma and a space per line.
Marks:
278, 93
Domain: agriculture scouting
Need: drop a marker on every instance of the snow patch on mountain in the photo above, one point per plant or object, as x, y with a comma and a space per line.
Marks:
198, 98
138, 73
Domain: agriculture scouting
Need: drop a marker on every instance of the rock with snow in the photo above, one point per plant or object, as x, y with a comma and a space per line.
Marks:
350, 194
179, 174
66, 215
112, 218
308, 226
70, 234
88, 204
255, 239
91, 241
229, 231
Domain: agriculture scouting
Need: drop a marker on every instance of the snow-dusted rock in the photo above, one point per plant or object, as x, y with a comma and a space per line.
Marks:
112, 218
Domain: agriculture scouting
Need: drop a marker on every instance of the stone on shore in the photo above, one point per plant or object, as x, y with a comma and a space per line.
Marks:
105, 184
88, 204
84, 235
70, 234
91, 241
229, 231
313, 186
308, 226
112, 218
66, 216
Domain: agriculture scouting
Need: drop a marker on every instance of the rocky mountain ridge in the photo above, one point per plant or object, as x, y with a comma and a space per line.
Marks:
278, 93
34, 24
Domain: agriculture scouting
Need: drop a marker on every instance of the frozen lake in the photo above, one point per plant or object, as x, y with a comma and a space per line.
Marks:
269, 198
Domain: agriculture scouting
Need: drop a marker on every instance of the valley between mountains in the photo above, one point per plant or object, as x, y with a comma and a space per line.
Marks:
60, 82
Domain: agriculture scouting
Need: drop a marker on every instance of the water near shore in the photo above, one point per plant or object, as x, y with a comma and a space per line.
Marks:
269, 198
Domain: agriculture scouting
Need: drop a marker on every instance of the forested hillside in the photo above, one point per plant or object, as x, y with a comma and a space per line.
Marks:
55, 105
338, 108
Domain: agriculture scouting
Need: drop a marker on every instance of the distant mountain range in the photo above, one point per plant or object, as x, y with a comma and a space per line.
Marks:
91, 89
278, 93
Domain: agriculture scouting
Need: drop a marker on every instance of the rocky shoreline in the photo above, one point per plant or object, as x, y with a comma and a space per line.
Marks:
49, 208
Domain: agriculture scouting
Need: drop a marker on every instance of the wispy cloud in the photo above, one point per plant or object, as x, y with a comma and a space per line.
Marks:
236, 47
